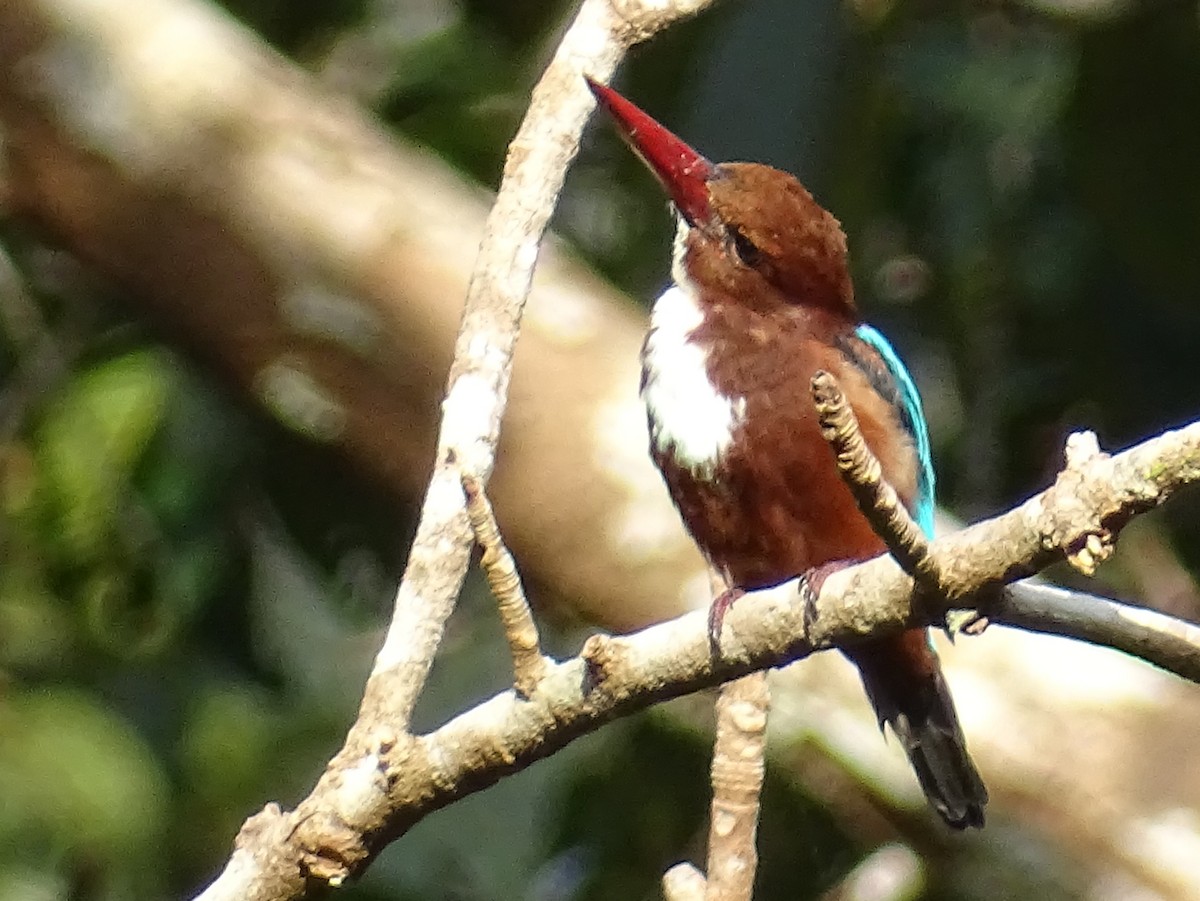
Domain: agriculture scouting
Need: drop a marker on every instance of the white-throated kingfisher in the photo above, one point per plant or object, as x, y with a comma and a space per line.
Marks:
762, 300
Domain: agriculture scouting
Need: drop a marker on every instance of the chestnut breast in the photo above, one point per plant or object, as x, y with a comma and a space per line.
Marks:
735, 434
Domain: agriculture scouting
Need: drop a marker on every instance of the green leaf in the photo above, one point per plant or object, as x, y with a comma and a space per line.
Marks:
34, 631
92, 439
71, 769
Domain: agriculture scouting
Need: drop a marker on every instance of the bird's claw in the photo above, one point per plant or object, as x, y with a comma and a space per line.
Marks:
809, 598
964, 622
811, 583
716, 615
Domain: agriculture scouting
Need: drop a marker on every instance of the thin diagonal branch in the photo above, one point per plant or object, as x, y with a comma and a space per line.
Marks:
534, 170
349, 815
863, 474
520, 629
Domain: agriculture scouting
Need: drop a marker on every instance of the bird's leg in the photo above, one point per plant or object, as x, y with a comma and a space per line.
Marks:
716, 615
811, 582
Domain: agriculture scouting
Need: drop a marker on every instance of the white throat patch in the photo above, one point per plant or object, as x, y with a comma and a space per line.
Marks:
690, 420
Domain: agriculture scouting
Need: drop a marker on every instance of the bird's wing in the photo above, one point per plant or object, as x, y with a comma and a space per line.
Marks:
896, 385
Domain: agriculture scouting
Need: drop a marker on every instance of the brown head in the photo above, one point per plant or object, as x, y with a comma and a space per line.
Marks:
754, 233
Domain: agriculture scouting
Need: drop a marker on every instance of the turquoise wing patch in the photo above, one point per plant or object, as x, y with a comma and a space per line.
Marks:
912, 415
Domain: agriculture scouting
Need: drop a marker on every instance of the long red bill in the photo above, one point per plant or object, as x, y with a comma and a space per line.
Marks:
682, 171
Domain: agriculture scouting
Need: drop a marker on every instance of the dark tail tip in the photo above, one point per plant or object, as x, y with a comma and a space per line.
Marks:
938, 754
916, 703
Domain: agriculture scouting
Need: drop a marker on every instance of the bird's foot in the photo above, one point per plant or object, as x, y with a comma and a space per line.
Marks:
813, 580
974, 620
964, 622
716, 615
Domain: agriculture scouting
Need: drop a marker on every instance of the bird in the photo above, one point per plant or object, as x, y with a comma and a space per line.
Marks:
760, 300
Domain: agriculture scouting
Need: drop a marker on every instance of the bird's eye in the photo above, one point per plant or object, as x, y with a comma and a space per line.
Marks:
746, 250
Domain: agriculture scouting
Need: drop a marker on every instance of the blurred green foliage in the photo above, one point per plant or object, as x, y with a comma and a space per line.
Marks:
188, 595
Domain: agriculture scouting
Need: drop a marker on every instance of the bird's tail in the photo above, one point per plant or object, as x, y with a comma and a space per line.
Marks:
904, 682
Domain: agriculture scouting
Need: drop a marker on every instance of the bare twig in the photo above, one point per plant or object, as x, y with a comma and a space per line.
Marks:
501, 570
863, 474
537, 161
683, 882
737, 778
1163, 640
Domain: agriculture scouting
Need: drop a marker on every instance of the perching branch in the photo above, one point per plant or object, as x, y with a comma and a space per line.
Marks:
1167, 641
409, 777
